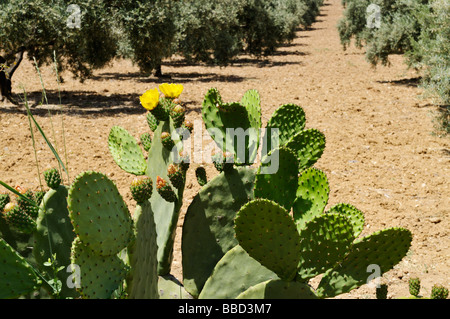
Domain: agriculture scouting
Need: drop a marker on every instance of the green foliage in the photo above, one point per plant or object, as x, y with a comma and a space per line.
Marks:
149, 30
41, 26
417, 29
431, 52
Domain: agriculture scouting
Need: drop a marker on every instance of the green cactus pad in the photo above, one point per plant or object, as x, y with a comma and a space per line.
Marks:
170, 288
54, 235
99, 275
309, 146
252, 102
230, 119
208, 230
166, 213
126, 151
99, 214
142, 281
384, 249
268, 234
279, 289
289, 119
279, 186
312, 196
325, 240
355, 216
17, 277
236, 266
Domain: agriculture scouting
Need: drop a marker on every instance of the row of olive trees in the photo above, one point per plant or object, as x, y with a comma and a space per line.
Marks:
87, 34
418, 29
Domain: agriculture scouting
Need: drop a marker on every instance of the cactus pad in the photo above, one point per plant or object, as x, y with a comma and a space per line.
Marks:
231, 122
414, 286
355, 216
289, 119
208, 230
268, 234
16, 276
325, 240
312, 196
126, 151
99, 214
236, 266
279, 289
4, 199
170, 288
385, 248
99, 275
309, 146
54, 235
438, 292
281, 185
142, 281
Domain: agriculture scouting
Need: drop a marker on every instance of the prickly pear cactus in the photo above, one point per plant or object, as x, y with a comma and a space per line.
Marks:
281, 184
279, 289
311, 197
100, 274
225, 121
142, 254
18, 277
208, 230
288, 120
54, 235
352, 271
99, 214
267, 232
236, 266
126, 151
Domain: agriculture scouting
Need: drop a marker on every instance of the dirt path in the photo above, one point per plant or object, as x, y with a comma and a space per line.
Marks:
380, 156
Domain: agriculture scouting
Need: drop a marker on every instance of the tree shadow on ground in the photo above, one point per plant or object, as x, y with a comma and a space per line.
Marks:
76, 103
408, 82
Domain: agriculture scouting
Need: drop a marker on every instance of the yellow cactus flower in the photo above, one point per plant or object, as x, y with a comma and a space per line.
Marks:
171, 91
150, 99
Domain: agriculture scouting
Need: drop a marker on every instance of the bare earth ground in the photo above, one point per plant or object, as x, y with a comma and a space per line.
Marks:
381, 155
